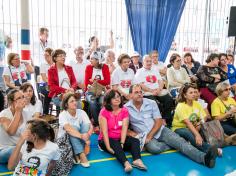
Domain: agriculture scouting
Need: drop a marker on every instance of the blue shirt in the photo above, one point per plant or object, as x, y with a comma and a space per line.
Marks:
143, 121
231, 74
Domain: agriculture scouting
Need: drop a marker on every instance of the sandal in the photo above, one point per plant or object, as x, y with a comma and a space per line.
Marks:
140, 166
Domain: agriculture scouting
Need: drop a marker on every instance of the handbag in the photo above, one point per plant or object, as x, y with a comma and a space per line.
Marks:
65, 163
97, 89
213, 133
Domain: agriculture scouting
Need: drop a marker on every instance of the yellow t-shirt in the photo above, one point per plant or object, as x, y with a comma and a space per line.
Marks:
183, 111
218, 108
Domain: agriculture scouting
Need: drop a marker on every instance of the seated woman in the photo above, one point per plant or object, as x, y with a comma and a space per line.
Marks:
15, 73
12, 123
191, 66
35, 152
123, 76
176, 75
61, 78
43, 86
229, 69
76, 123
223, 108
114, 122
209, 76
96, 72
33, 106
189, 114
110, 60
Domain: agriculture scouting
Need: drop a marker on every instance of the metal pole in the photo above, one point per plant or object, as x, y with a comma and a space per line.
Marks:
25, 32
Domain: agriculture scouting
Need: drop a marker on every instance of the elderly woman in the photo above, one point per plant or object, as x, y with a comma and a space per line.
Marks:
114, 122
76, 124
223, 108
12, 123
123, 77
209, 76
96, 72
176, 75
15, 73
110, 60
33, 106
61, 78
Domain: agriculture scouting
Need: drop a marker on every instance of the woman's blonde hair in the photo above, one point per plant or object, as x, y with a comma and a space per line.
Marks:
221, 87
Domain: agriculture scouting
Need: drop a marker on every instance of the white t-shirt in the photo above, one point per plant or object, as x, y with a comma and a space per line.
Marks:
7, 140
32, 109
97, 74
158, 66
44, 67
150, 78
66, 118
38, 52
37, 161
79, 69
16, 74
64, 80
123, 79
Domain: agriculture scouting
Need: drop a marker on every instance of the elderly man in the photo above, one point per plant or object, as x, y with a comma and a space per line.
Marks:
145, 119
78, 65
152, 84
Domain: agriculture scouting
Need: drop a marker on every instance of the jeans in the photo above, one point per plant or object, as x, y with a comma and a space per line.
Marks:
229, 127
94, 105
2, 84
131, 144
5, 154
170, 139
188, 136
78, 144
46, 100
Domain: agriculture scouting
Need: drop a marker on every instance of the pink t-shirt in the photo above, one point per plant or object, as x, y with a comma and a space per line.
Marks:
114, 122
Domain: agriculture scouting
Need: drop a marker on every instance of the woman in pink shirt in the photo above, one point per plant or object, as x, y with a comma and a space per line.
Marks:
113, 122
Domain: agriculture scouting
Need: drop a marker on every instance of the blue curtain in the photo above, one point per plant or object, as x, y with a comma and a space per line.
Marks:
153, 24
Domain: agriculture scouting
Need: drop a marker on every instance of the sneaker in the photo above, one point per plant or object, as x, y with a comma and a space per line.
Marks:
210, 157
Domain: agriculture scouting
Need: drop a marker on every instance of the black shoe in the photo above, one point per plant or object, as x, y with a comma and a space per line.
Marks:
210, 157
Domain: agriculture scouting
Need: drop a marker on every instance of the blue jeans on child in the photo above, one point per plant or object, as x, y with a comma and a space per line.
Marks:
5, 154
78, 144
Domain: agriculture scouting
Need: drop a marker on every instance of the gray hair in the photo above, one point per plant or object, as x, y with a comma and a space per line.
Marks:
221, 87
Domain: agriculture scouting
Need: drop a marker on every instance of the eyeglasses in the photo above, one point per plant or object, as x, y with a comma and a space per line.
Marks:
227, 89
178, 60
138, 92
61, 55
116, 96
19, 98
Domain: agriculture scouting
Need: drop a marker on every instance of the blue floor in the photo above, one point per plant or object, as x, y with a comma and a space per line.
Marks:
166, 164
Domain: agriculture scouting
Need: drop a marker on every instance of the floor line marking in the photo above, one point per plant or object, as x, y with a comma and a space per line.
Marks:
104, 159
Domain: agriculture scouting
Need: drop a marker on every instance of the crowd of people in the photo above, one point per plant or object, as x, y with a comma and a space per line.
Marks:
133, 103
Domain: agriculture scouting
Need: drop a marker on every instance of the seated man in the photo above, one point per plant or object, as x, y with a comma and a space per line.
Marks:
145, 118
152, 84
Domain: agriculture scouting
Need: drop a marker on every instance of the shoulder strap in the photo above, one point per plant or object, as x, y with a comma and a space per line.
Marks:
11, 73
224, 104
